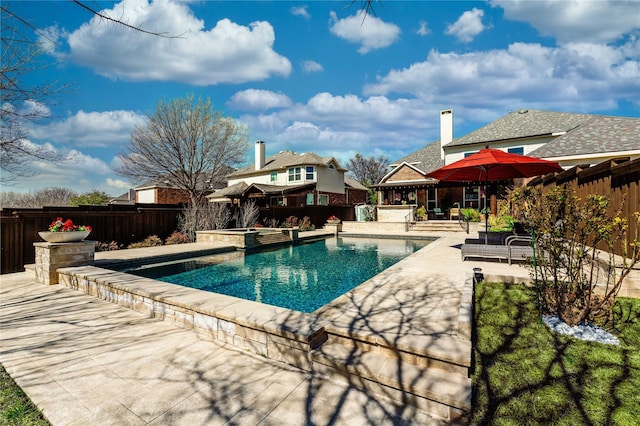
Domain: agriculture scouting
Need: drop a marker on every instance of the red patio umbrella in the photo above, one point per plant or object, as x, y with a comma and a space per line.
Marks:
490, 165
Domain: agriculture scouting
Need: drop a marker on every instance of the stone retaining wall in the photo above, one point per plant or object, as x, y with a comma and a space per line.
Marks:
276, 333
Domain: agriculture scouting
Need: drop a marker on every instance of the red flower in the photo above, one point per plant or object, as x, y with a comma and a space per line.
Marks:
60, 225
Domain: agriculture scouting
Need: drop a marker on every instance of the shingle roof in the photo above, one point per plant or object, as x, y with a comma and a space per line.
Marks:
522, 124
354, 184
285, 159
600, 134
426, 159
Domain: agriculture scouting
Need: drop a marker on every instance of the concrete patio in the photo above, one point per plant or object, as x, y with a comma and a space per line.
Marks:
84, 360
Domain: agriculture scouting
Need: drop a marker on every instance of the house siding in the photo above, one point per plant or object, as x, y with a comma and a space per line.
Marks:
405, 173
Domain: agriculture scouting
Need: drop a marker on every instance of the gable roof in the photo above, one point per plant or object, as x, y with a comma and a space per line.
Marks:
286, 159
522, 124
600, 134
425, 159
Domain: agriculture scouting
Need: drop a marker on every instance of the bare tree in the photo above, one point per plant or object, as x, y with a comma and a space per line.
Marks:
248, 215
203, 217
368, 171
21, 102
186, 143
44, 197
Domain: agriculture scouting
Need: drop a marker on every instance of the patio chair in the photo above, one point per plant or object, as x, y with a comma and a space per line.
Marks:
454, 212
438, 212
515, 248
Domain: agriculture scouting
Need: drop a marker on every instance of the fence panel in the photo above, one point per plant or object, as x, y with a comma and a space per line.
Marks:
617, 179
122, 224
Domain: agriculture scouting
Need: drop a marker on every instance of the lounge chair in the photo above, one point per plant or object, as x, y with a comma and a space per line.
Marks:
516, 247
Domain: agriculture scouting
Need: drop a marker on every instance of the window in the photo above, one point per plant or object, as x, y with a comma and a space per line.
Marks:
295, 174
331, 166
466, 154
274, 176
432, 198
309, 173
518, 150
278, 201
472, 197
310, 199
323, 200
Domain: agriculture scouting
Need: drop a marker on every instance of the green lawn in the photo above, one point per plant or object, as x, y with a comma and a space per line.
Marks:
525, 374
15, 407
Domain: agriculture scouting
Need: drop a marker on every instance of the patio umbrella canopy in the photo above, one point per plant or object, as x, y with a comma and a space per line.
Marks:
490, 165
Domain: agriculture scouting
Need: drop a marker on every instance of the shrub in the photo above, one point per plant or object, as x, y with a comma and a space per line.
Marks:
112, 246
271, 223
501, 223
177, 238
150, 241
470, 215
291, 222
568, 266
306, 224
421, 212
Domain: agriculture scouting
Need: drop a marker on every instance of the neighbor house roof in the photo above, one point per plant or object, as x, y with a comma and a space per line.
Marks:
204, 183
354, 184
523, 124
230, 191
599, 134
284, 160
276, 189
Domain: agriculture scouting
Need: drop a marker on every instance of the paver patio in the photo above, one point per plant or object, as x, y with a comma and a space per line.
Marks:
83, 360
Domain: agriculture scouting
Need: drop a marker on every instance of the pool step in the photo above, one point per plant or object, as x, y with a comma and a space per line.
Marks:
436, 226
442, 393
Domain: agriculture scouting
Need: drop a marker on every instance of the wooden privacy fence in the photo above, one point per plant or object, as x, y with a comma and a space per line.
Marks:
619, 179
124, 224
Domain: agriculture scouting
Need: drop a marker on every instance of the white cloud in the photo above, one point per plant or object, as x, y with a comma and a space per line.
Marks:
78, 171
311, 66
468, 25
576, 20
369, 32
117, 183
579, 77
423, 30
90, 129
300, 11
226, 53
258, 100
329, 124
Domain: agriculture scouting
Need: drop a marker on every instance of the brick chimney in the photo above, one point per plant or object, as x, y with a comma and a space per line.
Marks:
446, 129
260, 155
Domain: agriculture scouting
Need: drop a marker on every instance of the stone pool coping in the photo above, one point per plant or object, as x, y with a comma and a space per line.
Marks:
277, 333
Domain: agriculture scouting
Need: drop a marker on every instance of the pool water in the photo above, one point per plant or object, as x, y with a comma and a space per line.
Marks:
302, 277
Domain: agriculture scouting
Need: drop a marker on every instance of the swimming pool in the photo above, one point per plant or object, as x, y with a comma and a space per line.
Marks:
303, 277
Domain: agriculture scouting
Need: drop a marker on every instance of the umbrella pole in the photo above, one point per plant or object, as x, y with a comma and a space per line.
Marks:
486, 215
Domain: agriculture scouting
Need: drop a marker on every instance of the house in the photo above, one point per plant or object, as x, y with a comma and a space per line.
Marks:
162, 191
291, 179
568, 138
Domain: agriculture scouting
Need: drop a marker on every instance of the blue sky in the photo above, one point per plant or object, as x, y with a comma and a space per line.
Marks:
318, 75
